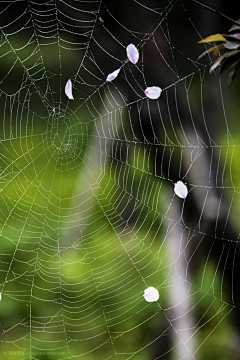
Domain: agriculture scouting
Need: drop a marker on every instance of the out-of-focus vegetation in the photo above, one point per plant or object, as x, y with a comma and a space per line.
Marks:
79, 282
230, 59
78, 237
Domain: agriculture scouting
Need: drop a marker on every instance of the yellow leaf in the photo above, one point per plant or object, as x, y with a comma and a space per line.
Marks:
216, 37
215, 50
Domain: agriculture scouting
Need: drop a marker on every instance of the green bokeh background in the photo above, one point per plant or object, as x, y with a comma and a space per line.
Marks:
72, 268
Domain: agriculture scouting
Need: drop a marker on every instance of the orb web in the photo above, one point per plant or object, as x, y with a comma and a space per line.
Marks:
89, 215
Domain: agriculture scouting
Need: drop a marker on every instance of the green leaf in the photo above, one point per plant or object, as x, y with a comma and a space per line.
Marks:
216, 37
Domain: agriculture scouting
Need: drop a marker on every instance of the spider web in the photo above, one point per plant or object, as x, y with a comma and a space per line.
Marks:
89, 218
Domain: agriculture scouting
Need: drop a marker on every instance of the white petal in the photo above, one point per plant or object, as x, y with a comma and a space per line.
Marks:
68, 90
151, 294
153, 92
113, 75
132, 53
181, 190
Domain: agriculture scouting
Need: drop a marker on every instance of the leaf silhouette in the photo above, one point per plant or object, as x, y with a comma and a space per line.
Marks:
230, 58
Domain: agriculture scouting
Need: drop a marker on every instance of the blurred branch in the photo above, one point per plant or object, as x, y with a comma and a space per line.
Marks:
216, 12
179, 287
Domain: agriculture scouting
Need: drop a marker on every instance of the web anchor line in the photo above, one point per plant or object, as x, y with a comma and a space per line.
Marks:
216, 12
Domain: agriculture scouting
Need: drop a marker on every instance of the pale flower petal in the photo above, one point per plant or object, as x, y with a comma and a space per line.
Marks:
153, 92
151, 294
68, 90
132, 53
113, 75
181, 190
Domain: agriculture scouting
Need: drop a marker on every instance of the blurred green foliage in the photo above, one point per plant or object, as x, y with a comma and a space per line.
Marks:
93, 281
78, 240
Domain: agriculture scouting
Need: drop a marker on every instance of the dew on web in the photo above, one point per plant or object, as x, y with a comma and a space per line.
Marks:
119, 167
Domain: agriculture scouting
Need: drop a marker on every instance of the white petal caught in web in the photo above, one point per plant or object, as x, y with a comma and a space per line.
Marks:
113, 75
180, 189
68, 90
153, 92
132, 53
151, 294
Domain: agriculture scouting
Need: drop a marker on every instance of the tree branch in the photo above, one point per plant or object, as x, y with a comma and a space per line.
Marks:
216, 12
